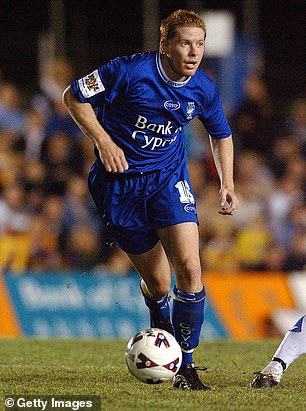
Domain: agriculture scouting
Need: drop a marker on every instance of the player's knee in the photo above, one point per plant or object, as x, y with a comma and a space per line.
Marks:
192, 268
189, 275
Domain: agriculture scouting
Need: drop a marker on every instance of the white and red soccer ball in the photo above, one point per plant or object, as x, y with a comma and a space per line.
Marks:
153, 356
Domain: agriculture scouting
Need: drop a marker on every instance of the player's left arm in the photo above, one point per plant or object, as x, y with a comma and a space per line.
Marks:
223, 153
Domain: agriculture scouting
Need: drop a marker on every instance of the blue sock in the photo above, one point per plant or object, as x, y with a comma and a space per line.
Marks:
159, 310
187, 320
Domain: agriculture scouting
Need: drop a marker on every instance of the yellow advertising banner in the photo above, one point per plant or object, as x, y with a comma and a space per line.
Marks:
245, 301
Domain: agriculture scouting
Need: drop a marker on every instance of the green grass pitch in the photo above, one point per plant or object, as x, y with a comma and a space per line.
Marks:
97, 367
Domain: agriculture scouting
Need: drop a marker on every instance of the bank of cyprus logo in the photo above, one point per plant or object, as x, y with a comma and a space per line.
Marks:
190, 109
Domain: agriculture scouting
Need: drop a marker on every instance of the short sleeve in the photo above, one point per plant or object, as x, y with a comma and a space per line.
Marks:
213, 116
102, 85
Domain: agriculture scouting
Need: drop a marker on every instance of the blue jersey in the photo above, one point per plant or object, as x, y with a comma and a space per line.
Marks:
144, 111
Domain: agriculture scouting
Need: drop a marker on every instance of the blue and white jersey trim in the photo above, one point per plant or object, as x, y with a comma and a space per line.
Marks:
164, 76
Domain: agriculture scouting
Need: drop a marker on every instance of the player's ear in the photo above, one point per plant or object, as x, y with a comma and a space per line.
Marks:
163, 46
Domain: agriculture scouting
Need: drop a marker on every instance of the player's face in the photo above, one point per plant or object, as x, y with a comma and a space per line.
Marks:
184, 53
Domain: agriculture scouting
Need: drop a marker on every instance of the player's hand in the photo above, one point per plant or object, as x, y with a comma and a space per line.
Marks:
228, 201
112, 157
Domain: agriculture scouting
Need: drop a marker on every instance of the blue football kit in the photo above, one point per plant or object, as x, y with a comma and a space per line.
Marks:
145, 112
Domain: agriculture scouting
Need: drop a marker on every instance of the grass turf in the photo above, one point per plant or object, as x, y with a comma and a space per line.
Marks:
97, 367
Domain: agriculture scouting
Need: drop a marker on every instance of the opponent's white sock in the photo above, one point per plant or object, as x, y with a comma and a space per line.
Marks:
291, 347
293, 344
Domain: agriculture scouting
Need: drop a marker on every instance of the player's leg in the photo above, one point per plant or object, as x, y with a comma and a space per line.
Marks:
292, 346
181, 243
126, 219
154, 269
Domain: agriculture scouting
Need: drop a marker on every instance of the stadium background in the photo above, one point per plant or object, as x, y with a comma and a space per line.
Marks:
56, 278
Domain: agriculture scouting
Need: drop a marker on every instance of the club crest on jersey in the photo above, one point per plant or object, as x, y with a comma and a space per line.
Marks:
172, 105
161, 339
190, 109
91, 84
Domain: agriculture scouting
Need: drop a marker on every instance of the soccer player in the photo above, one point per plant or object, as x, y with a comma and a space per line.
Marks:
134, 109
292, 346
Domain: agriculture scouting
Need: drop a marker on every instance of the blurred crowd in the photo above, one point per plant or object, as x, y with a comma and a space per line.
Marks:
48, 221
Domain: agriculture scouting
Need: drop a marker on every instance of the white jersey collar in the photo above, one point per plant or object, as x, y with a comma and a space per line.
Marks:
164, 76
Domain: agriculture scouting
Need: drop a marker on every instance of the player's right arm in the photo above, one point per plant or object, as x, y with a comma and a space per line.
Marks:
83, 114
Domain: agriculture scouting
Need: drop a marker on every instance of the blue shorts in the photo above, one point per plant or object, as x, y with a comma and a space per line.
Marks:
133, 206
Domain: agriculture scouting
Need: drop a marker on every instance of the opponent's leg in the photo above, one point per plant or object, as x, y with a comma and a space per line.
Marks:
154, 269
181, 243
292, 346
294, 343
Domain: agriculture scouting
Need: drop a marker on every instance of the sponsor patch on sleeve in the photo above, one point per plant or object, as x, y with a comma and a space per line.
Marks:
91, 84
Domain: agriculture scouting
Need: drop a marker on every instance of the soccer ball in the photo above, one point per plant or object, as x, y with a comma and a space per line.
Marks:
153, 356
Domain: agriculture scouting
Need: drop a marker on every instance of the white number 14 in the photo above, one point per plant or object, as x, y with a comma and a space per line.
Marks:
184, 190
